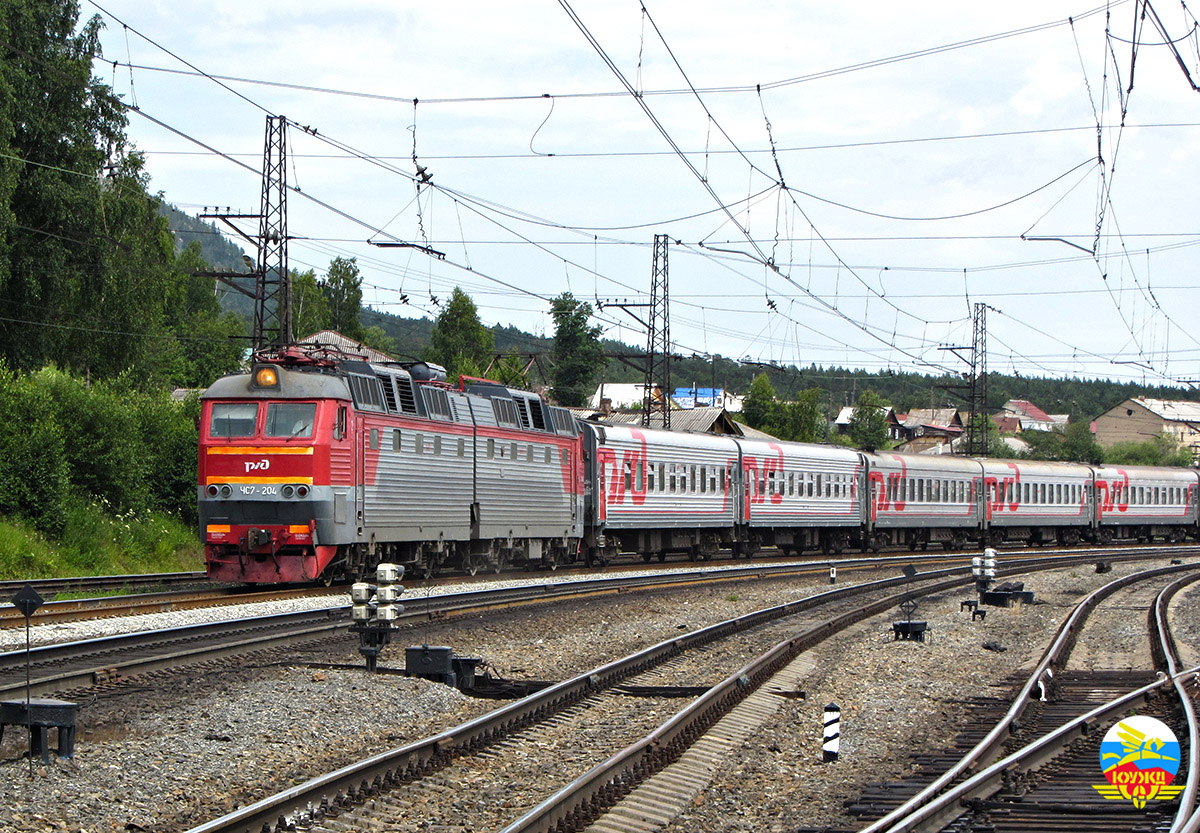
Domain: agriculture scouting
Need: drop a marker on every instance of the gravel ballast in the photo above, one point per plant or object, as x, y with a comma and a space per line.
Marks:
166, 754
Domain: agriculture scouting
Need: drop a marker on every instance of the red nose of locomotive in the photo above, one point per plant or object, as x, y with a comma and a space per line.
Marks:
259, 499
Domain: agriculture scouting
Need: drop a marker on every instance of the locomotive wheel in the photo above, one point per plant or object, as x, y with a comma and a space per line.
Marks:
646, 556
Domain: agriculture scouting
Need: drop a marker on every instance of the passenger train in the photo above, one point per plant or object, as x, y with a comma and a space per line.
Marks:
317, 465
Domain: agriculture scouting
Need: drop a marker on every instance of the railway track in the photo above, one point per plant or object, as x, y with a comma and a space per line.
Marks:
562, 729
379, 791
75, 610
160, 593
87, 664
1033, 763
107, 661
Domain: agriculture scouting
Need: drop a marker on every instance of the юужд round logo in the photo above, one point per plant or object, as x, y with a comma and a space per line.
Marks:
1139, 756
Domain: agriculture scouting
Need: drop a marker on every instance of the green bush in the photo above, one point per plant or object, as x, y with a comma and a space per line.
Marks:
97, 541
95, 479
34, 472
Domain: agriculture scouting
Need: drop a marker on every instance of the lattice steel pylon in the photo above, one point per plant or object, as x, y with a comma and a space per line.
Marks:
658, 342
974, 392
273, 285
977, 433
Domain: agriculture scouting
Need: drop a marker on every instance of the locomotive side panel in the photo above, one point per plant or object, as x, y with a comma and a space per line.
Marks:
526, 484
419, 479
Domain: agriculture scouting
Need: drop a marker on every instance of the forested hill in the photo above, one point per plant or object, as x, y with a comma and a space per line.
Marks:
1081, 398
218, 252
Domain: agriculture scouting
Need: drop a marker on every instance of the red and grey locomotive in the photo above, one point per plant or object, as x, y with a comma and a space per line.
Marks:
319, 465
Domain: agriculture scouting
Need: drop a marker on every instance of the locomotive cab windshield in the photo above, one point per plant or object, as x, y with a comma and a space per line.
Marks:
283, 420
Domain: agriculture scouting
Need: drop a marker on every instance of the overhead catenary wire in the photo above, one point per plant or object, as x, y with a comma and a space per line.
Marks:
466, 242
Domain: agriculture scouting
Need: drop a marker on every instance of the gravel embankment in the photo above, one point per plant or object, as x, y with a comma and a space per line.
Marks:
172, 753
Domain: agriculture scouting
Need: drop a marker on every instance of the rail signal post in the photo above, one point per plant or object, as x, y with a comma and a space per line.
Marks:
38, 716
27, 600
375, 611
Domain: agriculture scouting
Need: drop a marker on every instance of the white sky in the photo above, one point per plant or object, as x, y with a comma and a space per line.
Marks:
549, 175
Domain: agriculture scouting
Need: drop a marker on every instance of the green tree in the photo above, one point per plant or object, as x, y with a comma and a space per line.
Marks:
71, 199
1160, 450
801, 421
310, 307
578, 356
208, 342
1078, 445
35, 476
868, 423
459, 341
759, 405
343, 294
375, 338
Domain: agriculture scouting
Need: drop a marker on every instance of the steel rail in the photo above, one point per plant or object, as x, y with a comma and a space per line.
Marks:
350, 783
148, 650
1186, 816
86, 584
97, 607
939, 800
576, 804
988, 780
112, 653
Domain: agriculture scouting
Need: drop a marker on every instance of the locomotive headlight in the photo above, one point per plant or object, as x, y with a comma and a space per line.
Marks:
226, 490
265, 377
301, 491
212, 490
289, 490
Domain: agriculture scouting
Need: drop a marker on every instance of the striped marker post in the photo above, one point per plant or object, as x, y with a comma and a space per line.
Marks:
833, 733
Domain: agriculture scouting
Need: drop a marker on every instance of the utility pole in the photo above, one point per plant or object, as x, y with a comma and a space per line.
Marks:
975, 389
658, 337
273, 287
658, 342
272, 291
